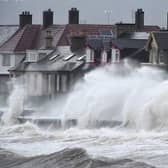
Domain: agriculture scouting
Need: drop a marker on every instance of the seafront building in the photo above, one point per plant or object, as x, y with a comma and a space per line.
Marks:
51, 57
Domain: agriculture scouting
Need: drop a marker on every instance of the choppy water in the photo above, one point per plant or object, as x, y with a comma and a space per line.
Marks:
136, 97
105, 146
68, 158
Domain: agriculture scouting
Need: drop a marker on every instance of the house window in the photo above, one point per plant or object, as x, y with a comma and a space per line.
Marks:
32, 56
92, 56
64, 83
162, 56
115, 55
6, 60
58, 83
104, 57
89, 55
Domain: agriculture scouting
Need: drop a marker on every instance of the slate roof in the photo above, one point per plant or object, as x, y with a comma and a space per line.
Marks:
6, 31
149, 28
161, 39
56, 32
31, 37
135, 35
58, 64
87, 29
95, 43
129, 43
22, 39
107, 45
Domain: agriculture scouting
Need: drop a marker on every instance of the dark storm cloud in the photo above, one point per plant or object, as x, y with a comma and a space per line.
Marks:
91, 11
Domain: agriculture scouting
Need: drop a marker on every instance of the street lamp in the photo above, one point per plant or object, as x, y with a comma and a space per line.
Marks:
108, 13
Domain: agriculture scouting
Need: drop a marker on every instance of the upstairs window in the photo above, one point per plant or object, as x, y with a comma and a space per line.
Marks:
104, 57
115, 55
89, 55
162, 56
6, 61
32, 56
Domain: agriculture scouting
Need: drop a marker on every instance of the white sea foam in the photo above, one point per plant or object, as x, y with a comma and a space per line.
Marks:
15, 104
136, 96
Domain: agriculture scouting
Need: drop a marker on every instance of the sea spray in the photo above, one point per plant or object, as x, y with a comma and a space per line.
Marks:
119, 93
15, 104
135, 96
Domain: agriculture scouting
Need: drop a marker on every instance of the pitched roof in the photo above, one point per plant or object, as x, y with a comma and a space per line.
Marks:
161, 39
95, 43
54, 62
129, 43
87, 29
6, 31
31, 37
22, 39
149, 28
135, 35
56, 32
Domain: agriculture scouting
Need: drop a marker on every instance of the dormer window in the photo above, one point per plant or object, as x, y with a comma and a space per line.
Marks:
115, 55
89, 55
32, 56
104, 57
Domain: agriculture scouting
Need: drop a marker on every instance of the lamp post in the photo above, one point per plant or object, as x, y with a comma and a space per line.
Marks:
108, 13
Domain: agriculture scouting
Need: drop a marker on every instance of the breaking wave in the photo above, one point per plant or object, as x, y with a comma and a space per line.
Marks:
67, 158
136, 96
122, 93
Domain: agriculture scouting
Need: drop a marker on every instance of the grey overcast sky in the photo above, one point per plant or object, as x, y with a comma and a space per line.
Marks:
91, 11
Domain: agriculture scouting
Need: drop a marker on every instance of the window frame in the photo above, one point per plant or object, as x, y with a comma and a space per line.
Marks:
6, 62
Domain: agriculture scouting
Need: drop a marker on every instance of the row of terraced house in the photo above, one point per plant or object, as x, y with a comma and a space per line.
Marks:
49, 58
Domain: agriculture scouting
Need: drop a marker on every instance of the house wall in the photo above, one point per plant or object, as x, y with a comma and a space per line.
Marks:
163, 57
4, 79
11, 60
46, 84
4, 68
33, 83
153, 53
19, 58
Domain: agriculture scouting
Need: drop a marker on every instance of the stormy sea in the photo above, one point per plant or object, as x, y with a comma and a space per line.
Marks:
115, 117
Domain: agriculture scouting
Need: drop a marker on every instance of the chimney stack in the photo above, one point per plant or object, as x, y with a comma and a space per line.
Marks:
139, 19
77, 42
47, 18
73, 16
25, 18
49, 40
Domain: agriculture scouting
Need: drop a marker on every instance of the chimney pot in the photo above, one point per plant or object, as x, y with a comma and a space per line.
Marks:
47, 18
25, 18
139, 19
73, 16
